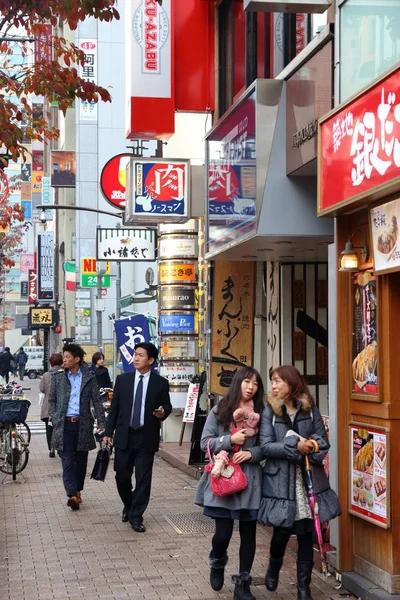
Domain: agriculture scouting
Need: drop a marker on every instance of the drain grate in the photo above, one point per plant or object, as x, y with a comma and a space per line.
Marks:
194, 522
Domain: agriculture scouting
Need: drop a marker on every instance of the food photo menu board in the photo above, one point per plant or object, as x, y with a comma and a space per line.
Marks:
385, 236
369, 474
365, 350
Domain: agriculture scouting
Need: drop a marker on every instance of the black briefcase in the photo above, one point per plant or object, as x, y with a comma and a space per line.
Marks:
100, 467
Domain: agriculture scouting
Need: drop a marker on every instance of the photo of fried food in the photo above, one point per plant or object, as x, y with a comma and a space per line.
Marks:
380, 455
380, 489
388, 238
364, 457
365, 363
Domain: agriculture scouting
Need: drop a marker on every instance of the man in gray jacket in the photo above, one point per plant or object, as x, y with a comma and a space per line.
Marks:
72, 393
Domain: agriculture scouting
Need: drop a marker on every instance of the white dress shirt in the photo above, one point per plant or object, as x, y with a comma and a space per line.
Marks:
146, 378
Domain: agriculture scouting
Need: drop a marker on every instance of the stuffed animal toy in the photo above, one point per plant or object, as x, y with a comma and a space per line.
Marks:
245, 418
221, 460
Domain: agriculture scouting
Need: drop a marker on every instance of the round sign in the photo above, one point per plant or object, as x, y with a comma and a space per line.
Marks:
113, 180
149, 276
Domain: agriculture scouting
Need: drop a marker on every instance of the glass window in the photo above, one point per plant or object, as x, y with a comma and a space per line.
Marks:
369, 42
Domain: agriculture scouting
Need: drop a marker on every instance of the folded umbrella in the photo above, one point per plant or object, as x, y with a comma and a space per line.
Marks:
313, 502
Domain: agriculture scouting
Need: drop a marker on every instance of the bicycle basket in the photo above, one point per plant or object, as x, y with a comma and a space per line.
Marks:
14, 411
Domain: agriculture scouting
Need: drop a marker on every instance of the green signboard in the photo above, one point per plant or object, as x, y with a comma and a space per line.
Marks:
91, 281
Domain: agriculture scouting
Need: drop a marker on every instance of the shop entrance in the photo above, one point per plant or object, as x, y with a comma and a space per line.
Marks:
304, 324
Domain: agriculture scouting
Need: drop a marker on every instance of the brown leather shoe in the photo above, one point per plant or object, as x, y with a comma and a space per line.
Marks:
78, 495
73, 503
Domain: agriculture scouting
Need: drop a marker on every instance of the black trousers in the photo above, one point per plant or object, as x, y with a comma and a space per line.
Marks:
134, 457
74, 463
6, 375
49, 432
222, 537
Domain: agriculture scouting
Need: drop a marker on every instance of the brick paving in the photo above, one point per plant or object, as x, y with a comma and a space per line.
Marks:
48, 552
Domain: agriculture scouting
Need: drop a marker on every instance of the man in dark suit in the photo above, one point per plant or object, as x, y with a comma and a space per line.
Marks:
140, 402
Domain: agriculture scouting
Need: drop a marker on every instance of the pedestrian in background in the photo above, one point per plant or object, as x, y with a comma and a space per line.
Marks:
21, 358
245, 402
290, 425
6, 363
140, 402
100, 371
56, 361
73, 392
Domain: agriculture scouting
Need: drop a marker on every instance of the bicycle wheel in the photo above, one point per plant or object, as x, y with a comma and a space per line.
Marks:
23, 432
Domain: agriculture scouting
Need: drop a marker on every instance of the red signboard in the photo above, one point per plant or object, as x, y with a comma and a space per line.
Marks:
32, 286
113, 180
359, 154
43, 45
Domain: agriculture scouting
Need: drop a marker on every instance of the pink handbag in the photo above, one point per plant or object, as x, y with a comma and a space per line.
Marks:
231, 480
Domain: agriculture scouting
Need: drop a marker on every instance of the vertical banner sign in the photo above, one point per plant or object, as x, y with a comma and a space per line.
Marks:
191, 403
46, 265
129, 332
43, 45
365, 351
150, 69
32, 286
232, 322
88, 110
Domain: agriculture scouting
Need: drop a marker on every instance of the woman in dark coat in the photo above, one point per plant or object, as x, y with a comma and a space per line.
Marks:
101, 372
222, 434
56, 361
290, 425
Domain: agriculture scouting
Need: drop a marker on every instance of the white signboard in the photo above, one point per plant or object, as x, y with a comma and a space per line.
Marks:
126, 244
88, 110
178, 375
177, 247
191, 403
151, 49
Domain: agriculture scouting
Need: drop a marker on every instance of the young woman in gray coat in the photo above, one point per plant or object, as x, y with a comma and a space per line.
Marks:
247, 394
290, 424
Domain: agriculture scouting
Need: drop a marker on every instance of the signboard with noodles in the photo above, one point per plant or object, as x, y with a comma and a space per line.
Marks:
232, 322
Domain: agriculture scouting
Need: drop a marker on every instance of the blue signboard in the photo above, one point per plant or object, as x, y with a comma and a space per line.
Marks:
159, 189
177, 324
27, 206
231, 189
129, 332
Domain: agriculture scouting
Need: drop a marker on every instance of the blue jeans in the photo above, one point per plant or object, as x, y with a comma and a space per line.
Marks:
74, 462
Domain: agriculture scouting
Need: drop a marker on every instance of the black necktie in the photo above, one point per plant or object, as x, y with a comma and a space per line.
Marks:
137, 409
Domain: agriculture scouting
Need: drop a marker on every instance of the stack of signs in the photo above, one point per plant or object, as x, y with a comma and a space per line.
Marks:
178, 306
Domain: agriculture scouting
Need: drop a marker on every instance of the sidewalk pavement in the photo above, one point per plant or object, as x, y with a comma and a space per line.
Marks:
48, 552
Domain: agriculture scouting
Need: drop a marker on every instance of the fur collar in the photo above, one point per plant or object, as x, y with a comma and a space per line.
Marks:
304, 402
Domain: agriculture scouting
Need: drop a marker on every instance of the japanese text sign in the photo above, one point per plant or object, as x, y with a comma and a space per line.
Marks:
41, 317
46, 265
88, 72
177, 272
126, 244
32, 286
385, 234
113, 180
232, 322
369, 485
191, 403
44, 44
129, 332
359, 156
157, 191
178, 374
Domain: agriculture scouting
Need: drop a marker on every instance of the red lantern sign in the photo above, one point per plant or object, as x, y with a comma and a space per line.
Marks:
113, 180
58, 329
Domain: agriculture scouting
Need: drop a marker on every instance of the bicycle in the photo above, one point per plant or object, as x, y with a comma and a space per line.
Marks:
15, 434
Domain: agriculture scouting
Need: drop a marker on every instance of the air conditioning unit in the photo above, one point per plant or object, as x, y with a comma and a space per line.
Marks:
289, 6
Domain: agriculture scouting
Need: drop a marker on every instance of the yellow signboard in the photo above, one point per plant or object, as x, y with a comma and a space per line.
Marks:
41, 317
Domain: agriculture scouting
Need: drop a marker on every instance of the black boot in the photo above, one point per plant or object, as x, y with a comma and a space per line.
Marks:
217, 566
242, 587
272, 574
304, 570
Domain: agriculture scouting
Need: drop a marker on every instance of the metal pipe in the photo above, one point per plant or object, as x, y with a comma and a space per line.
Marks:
251, 47
73, 207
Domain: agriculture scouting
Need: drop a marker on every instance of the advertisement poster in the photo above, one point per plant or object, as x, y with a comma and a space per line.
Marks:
63, 168
385, 234
365, 350
231, 188
369, 474
232, 322
46, 265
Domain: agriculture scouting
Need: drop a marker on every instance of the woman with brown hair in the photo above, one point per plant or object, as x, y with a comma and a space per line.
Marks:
56, 361
292, 427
